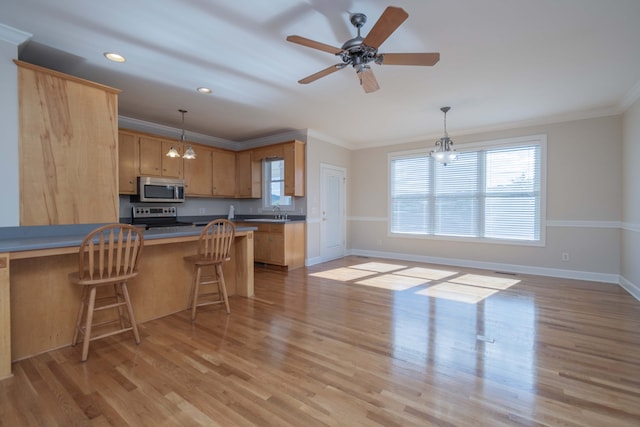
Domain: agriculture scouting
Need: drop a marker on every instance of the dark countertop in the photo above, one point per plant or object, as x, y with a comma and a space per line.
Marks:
16, 239
204, 220
239, 219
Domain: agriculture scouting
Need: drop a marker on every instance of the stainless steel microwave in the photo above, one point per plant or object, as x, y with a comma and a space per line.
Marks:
164, 190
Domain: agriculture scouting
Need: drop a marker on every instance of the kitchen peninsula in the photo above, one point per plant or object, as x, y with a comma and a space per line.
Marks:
38, 304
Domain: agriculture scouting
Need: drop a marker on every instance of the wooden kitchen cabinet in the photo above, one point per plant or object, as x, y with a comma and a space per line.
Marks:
153, 159
68, 139
224, 173
294, 168
274, 151
128, 162
293, 154
198, 173
248, 176
280, 244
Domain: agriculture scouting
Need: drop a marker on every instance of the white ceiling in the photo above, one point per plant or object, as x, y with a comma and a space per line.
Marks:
503, 63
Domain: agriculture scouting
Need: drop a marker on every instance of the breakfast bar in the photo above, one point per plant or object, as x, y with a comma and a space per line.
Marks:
38, 304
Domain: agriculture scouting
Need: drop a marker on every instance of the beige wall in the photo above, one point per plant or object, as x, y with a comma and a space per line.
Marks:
584, 200
629, 263
320, 151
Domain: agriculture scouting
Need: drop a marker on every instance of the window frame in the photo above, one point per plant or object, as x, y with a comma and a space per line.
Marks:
266, 187
540, 139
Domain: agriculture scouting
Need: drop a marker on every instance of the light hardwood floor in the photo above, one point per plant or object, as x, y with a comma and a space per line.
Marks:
358, 342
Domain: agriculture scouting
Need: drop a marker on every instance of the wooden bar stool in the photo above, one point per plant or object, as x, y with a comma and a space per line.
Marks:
108, 257
214, 248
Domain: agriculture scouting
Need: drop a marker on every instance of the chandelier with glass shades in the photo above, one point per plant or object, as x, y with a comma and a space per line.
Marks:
189, 153
444, 152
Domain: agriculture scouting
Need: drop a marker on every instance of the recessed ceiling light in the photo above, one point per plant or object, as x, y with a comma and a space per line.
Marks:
204, 90
114, 57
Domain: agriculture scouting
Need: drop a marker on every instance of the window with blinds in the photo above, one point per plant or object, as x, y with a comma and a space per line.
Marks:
491, 193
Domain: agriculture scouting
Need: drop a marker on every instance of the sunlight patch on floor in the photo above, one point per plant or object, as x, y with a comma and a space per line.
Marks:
426, 273
342, 274
500, 283
379, 267
467, 288
457, 292
393, 282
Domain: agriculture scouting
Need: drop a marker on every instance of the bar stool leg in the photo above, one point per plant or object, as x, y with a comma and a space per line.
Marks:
118, 295
87, 328
83, 303
194, 299
222, 286
132, 318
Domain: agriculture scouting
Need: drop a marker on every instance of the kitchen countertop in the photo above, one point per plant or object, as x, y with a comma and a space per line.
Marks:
16, 239
203, 220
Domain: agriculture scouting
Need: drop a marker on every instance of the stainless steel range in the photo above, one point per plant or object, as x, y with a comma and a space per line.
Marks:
156, 217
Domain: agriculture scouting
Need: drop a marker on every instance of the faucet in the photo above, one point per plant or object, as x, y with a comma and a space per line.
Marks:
277, 215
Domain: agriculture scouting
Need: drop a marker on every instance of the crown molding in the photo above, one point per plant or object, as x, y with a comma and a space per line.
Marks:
299, 134
541, 121
13, 35
171, 132
329, 139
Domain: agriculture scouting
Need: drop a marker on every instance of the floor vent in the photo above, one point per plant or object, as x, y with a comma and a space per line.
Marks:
506, 272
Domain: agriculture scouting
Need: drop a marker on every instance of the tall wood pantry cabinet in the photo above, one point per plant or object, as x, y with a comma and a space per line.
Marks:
68, 139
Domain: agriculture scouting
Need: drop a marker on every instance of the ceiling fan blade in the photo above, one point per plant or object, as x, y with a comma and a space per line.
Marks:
409, 58
368, 80
388, 22
322, 73
314, 44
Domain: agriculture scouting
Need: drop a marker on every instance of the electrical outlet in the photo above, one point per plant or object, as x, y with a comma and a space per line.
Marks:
565, 256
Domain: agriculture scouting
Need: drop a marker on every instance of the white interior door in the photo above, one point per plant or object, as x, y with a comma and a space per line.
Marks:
333, 215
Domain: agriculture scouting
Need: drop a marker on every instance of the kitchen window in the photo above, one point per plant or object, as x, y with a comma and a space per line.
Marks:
274, 186
492, 192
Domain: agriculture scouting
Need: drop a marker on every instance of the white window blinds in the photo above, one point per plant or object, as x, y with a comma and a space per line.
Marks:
491, 193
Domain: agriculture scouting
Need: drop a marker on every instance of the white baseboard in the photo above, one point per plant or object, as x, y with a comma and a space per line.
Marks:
313, 261
630, 287
513, 268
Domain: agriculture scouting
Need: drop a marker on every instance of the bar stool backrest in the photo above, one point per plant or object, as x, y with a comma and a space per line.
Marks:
110, 251
215, 240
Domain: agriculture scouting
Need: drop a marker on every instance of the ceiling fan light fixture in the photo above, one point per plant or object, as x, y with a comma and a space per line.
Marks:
444, 152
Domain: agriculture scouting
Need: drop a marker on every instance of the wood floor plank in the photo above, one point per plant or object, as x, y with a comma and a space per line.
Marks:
357, 342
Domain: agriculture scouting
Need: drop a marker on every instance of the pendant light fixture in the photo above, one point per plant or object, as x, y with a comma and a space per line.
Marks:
189, 153
444, 152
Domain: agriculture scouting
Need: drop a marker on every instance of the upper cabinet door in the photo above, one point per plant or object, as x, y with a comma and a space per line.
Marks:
198, 173
150, 156
248, 176
153, 159
294, 169
224, 173
128, 162
172, 167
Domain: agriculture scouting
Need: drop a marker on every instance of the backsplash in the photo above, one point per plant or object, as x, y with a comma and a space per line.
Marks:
210, 206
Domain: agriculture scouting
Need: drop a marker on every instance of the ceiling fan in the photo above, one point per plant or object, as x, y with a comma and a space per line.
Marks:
359, 52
